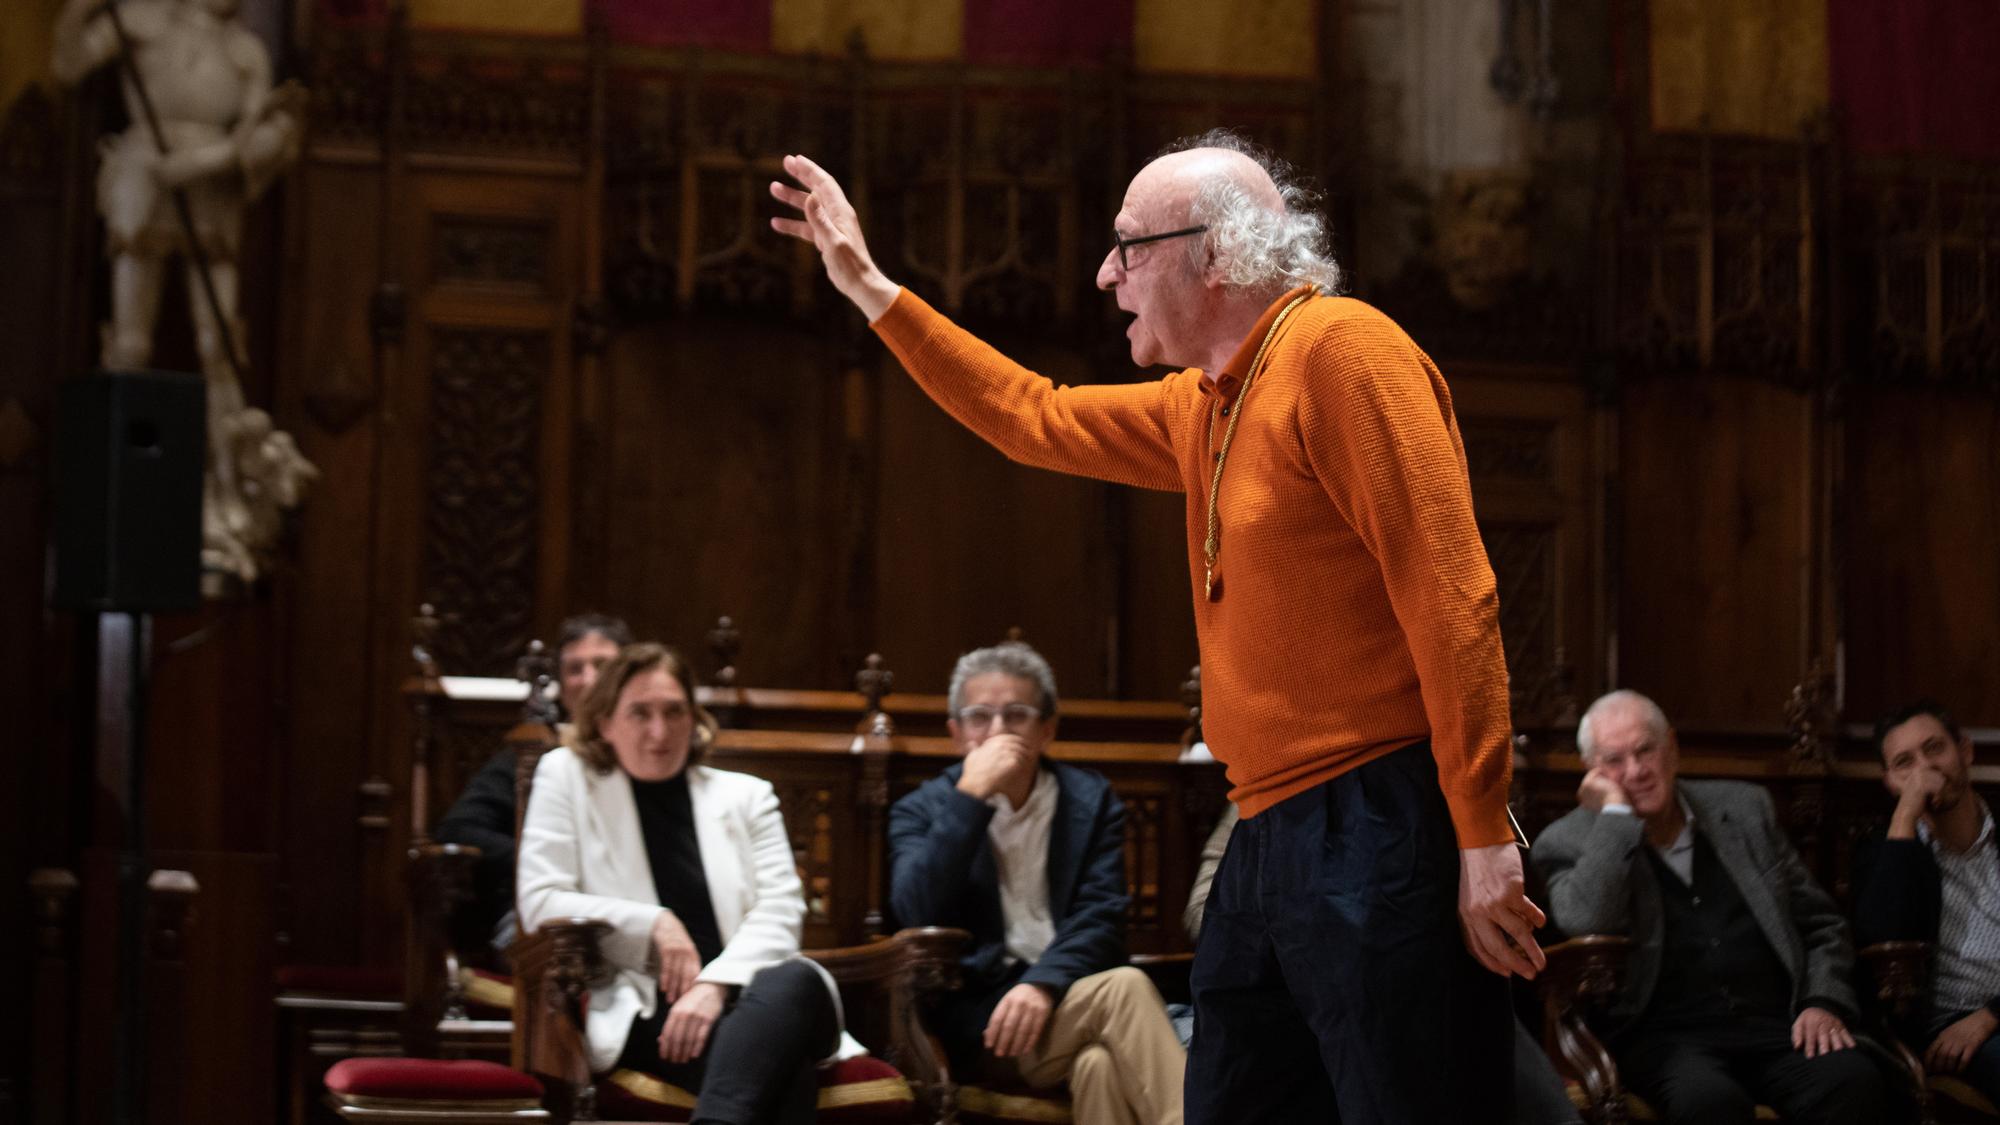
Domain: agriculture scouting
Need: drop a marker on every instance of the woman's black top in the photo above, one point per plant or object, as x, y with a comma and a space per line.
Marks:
666, 817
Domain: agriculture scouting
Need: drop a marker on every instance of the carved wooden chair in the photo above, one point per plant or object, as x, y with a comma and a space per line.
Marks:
1895, 977
1585, 973
882, 987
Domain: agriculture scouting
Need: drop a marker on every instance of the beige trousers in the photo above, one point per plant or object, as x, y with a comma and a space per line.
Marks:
1111, 1039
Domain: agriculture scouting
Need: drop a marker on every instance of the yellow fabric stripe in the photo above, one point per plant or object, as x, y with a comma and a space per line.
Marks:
865, 1093
1756, 69
650, 1088
1254, 38
527, 17
975, 1099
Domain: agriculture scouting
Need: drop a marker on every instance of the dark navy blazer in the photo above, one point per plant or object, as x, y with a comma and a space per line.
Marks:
942, 874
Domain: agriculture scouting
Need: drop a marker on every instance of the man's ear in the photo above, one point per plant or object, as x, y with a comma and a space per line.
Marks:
1211, 269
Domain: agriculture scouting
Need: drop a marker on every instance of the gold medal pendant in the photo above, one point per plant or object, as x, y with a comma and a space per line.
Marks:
1211, 585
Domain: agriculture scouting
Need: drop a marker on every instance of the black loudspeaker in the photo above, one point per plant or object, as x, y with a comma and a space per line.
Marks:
130, 447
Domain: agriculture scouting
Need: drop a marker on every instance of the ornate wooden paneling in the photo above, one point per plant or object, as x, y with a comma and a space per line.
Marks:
1923, 273
1529, 452
1714, 260
482, 522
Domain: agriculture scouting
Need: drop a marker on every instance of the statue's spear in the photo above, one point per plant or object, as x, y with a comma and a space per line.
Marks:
181, 207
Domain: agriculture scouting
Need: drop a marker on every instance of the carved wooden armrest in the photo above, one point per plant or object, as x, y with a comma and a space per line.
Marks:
927, 956
883, 986
554, 968
1168, 972
438, 878
1899, 972
1583, 976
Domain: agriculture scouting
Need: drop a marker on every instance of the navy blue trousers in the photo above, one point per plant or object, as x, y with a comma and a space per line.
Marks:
1331, 982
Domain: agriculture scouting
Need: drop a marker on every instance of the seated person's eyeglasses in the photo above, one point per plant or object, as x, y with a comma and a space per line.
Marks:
1015, 717
1126, 258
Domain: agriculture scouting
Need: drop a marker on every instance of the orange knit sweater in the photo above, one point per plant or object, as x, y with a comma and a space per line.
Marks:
1358, 612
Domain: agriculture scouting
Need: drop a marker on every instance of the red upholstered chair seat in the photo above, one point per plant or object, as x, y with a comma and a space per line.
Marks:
452, 1080
851, 1092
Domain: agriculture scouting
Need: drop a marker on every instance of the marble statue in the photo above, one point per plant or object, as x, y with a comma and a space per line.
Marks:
226, 133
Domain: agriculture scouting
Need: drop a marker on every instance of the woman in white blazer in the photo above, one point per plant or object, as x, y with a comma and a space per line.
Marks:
692, 868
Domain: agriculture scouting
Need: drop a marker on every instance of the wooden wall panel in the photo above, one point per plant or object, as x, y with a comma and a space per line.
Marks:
329, 400
1529, 450
1157, 643
970, 544
724, 493
1714, 606
1923, 553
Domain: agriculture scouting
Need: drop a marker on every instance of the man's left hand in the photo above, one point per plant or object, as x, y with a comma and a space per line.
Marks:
1495, 912
1819, 1032
1018, 1020
1953, 1047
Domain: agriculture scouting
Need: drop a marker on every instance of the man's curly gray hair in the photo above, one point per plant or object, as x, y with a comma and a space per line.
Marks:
1257, 249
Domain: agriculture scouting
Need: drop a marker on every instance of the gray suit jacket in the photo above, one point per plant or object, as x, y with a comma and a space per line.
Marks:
1600, 883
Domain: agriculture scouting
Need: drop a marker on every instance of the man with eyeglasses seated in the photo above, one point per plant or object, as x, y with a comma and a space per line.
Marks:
1028, 855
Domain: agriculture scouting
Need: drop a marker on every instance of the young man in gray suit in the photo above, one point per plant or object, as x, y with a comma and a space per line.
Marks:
1738, 991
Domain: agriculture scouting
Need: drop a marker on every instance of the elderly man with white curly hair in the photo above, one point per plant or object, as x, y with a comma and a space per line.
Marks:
1352, 674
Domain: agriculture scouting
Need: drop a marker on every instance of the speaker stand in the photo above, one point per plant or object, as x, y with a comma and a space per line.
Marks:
124, 670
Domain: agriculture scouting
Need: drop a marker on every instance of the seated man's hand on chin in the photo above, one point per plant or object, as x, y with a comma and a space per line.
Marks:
1018, 1021
996, 766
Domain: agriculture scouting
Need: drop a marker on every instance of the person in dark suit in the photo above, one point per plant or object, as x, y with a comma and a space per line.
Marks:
483, 815
1934, 876
1028, 855
1738, 989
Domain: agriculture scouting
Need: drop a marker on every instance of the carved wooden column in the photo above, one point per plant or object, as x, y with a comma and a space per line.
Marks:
726, 699
874, 681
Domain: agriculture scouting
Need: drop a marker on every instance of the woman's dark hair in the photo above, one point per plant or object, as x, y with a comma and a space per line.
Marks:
602, 699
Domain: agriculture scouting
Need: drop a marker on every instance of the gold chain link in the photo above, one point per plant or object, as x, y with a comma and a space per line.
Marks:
1212, 546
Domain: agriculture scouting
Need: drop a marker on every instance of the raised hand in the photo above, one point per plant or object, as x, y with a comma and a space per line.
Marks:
827, 220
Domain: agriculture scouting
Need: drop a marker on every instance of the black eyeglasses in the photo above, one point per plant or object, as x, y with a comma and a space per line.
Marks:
1124, 244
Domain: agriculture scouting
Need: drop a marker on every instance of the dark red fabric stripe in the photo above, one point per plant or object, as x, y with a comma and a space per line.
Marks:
1045, 32
729, 25
1917, 76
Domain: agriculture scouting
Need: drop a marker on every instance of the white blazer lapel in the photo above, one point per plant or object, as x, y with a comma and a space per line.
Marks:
620, 844
715, 829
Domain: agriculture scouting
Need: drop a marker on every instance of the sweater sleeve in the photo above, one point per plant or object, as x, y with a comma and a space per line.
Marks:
1117, 433
1378, 433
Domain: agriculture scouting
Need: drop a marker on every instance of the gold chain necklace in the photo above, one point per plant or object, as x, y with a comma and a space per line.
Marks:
1212, 546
